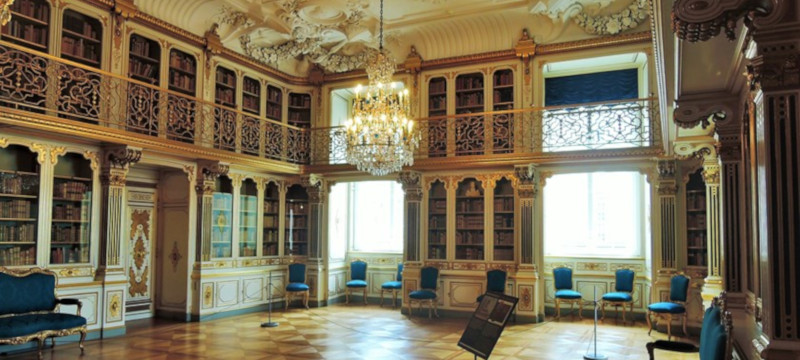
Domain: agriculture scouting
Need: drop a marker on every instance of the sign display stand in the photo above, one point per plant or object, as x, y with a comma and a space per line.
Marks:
487, 323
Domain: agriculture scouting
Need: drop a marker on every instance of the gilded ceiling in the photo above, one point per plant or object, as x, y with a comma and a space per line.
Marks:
339, 34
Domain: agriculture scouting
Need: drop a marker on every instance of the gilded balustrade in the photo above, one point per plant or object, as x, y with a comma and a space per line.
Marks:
36, 82
629, 123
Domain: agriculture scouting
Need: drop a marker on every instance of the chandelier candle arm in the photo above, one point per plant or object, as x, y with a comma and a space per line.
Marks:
380, 135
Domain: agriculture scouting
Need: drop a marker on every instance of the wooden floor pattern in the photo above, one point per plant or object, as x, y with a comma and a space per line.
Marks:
356, 332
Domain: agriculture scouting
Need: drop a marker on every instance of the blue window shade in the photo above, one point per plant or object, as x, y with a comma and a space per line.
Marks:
586, 88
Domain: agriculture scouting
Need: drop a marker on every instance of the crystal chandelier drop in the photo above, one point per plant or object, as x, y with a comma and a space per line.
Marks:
380, 134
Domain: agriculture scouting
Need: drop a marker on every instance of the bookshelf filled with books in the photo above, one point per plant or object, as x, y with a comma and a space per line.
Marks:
271, 225
29, 25
300, 110
296, 239
221, 219
469, 99
469, 214
248, 219
437, 106
182, 72
19, 206
251, 95
437, 221
503, 232
274, 103
696, 246
81, 38
144, 63
182, 79
503, 99
70, 231
225, 87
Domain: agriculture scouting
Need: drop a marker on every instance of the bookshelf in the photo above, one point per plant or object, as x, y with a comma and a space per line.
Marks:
251, 96
182, 79
696, 245
221, 219
296, 240
300, 110
70, 231
182, 72
29, 25
469, 220
503, 99
81, 38
437, 221
225, 87
271, 219
19, 206
437, 106
503, 221
274, 103
144, 63
469, 99
248, 219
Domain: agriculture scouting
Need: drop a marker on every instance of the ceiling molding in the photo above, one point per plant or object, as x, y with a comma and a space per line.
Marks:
623, 39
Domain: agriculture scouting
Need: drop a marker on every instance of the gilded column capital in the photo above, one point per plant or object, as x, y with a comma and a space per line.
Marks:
775, 71
316, 187
666, 169
526, 178
711, 174
667, 188
411, 182
207, 174
121, 157
730, 146
703, 109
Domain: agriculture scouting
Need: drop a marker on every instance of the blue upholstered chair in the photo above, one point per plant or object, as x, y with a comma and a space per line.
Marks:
297, 284
562, 277
393, 286
429, 280
623, 292
495, 282
715, 336
358, 280
676, 306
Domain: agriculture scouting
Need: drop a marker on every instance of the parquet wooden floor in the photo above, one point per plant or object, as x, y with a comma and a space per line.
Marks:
355, 332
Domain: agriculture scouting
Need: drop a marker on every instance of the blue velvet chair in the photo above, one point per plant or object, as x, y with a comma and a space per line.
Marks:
358, 280
715, 336
676, 306
562, 277
623, 292
297, 284
429, 280
393, 286
495, 282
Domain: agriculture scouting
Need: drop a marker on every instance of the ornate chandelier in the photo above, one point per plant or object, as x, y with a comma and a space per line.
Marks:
380, 135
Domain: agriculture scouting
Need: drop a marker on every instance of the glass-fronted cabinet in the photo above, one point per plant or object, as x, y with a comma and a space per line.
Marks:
437, 221
19, 206
271, 219
296, 240
469, 220
222, 219
696, 246
503, 221
248, 218
70, 231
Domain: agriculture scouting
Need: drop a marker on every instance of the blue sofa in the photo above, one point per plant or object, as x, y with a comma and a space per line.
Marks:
29, 308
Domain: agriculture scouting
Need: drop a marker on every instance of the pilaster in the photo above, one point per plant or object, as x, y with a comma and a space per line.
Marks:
412, 186
530, 288
733, 219
317, 189
711, 175
665, 240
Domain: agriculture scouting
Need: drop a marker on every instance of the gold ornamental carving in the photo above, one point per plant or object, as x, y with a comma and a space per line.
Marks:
55, 152
122, 157
92, 156
5, 11
525, 298
115, 306
780, 70
189, 170
42, 150
3, 143
208, 295
666, 169
701, 20
75, 272
411, 182
711, 174
175, 256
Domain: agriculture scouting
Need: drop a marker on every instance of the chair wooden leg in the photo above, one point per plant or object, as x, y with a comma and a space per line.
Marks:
558, 309
684, 325
41, 345
436, 307
347, 296
603, 307
580, 310
394, 299
83, 337
286, 303
305, 300
623, 313
382, 298
669, 327
649, 323
365, 296
430, 308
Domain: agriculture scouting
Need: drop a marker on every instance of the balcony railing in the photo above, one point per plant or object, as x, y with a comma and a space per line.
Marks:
39, 83
582, 127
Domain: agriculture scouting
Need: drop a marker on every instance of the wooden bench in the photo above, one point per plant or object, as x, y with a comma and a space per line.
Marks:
29, 308
716, 335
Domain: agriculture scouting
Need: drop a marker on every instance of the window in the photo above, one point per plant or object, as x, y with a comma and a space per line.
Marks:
368, 216
601, 214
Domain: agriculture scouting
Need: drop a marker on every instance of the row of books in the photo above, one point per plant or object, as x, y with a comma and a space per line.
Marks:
59, 255
271, 206
475, 99
12, 184
72, 190
17, 233
224, 96
17, 256
79, 48
296, 208
273, 94
697, 259
439, 205
296, 249
70, 234
28, 32
297, 236
696, 239
251, 86
225, 77
469, 238
70, 212
469, 221
30, 9
696, 201
696, 221
436, 253
81, 27
271, 249
182, 81
140, 46
16, 209
437, 222
300, 101
247, 251
182, 62
250, 103
142, 69
437, 103
504, 78
435, 86
273, 112
270, 236
467, 83
504, 254
504, 95
504, 204
503, 238
296, 222
503, 221
469, 254
299, 116
465, 205
270, 221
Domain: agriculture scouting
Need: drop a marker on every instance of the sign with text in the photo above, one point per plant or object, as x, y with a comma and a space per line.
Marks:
486, 324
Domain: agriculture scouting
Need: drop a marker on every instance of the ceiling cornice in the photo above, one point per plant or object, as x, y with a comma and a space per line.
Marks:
605, 41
